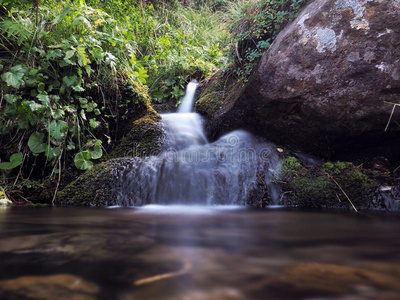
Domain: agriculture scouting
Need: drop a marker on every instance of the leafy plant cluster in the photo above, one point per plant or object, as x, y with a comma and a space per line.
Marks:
67, 67
60, 79
255, 24
176, 43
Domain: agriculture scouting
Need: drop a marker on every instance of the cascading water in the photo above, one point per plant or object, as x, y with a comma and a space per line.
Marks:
188, 100
193, 171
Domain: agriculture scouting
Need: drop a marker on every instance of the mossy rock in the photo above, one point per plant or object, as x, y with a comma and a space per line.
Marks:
99, 185
96, 187
213, 95
144, 139
327, 186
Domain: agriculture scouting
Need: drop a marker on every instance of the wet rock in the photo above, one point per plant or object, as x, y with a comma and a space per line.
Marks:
60, 286
327, 84
330, 280
97, 186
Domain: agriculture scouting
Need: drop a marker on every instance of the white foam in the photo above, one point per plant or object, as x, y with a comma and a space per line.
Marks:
186, 209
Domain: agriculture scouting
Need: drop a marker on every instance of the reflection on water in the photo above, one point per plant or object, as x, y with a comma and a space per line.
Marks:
178, 252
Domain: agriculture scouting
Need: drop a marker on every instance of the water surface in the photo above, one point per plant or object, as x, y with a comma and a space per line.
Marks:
181, 252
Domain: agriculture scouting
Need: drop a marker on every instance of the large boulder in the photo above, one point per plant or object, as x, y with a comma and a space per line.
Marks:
327, 85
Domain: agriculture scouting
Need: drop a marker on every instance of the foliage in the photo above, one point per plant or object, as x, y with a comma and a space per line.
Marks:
255, 24
15, 161
318, 186
53, 72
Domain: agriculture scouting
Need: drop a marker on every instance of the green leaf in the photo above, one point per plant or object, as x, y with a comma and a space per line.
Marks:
34, 106
141, 74
58, 114
14, 78
44, 99
78, 88
23, 123
63, 14
71, 146
70, 80
93, 123
82, 160
52, 152
83, 115
15, 161
41, 87
97, 152
83, 59
35, 143
11, 99
57, 129
69, 54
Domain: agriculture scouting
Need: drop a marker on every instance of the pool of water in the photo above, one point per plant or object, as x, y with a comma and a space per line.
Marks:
180, 252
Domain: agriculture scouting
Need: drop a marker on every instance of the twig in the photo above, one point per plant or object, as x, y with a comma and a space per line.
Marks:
262, 180
186, 268
237, 52
344, 193
20, 169
59, 179
391, 116
337, 196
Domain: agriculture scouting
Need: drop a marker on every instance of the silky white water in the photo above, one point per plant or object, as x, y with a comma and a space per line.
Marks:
188, 100
230, 171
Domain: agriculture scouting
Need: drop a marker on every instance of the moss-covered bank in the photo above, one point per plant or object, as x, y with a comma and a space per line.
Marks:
331, 185
143, 139
96, 187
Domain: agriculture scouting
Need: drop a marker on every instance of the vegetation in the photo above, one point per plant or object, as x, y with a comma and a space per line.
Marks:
339, 184
255, 25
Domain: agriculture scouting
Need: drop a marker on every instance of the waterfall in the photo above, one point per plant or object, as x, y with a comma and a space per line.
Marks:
194, 171
188, 100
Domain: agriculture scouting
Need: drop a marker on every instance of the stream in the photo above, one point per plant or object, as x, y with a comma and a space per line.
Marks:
197, 252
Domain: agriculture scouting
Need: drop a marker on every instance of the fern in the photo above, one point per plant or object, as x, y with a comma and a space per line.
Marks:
20, 30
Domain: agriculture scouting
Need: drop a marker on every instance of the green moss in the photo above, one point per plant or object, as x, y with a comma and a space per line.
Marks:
93, 188
144, 139
212, 98
209, 104
318, 186
290, 165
